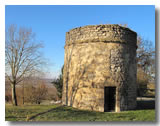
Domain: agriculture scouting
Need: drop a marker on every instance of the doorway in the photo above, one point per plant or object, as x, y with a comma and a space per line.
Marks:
109, 99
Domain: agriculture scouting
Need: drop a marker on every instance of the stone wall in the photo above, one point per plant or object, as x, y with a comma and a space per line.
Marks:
97, 56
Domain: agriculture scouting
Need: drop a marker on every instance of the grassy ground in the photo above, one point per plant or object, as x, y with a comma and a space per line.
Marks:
61, 113
22, 113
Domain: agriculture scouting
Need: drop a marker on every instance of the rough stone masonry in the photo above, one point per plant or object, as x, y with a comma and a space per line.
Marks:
100, 57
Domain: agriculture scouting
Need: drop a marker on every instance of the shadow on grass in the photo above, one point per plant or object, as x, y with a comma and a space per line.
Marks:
41, 113
14, 117
65, 112
145, 104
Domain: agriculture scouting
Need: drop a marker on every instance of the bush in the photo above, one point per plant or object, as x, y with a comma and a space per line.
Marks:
142, 81
58, 83
8, 97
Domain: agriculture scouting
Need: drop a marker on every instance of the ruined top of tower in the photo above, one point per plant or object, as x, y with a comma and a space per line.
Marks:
101, 33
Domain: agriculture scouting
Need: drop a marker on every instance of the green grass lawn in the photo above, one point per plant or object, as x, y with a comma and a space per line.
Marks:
63, 113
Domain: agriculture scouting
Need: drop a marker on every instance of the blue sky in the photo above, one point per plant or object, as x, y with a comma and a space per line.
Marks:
50, 23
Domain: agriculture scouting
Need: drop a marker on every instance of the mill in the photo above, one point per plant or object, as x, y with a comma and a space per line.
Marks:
100, 68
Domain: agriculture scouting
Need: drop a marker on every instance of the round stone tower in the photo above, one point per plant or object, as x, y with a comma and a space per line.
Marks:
100, 68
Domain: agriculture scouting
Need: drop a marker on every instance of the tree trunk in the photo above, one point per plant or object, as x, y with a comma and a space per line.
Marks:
67, 90
23, 94
14, 96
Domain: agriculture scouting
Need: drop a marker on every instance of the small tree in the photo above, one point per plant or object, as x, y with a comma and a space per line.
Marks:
36, 91
58, 83
40, 93
22, 57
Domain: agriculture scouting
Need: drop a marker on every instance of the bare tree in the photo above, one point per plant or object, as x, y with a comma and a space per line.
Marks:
22, 56
145, 64
146, 56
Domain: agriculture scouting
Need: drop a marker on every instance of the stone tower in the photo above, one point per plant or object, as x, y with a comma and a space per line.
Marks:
100, 68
